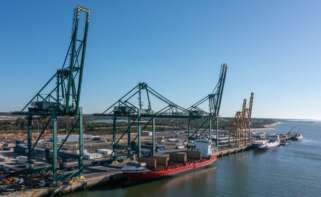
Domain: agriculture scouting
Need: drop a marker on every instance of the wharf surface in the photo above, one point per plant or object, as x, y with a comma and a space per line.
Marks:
97, 176
229, 151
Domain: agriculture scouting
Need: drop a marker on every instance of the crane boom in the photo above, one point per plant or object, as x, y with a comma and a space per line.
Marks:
62, 91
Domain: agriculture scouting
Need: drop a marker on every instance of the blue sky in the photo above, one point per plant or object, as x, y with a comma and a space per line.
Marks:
273, 48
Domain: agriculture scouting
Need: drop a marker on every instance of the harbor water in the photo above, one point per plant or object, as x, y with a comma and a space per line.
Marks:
291, 170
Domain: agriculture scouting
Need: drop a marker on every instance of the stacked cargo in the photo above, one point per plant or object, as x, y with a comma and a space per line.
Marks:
180, 157
193, 155
162, 161
150, 162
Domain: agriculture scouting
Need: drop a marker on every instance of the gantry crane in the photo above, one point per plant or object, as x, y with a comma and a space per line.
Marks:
240, 135
214, 100
131, 106
60, 95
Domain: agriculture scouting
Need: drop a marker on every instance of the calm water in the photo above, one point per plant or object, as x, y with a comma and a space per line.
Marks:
293, 170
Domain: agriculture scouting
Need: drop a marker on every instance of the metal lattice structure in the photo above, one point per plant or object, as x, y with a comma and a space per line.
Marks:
214, 100
131, 106
60, 95
240, 135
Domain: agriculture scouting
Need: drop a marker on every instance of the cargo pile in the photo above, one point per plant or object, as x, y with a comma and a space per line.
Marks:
193, 155
163, 161
150, 162
11, 184
156, 162
180, 157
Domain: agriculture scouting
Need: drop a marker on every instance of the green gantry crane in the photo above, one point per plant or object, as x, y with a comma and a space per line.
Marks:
214, 100
142, 112
141, 106
60, 96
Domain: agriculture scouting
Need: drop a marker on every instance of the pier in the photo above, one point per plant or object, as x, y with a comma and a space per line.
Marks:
229, 151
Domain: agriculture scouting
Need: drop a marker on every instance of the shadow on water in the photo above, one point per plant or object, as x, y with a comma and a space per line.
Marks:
258, 152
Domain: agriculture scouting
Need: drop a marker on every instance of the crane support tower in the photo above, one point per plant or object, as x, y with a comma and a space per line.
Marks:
214, 100
240, 135
59, 98
141, 107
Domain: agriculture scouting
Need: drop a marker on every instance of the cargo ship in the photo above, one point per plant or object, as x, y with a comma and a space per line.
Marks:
162, 166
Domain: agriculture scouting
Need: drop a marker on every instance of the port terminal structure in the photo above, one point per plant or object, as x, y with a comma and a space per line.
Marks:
58, 98
240, 133
212, 107
140, 108
130, 107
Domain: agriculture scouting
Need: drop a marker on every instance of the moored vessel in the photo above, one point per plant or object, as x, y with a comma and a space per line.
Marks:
272, 143
259, 143
298, 136
162, 166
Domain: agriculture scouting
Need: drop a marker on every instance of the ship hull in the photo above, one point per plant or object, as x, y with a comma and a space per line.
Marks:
170, 171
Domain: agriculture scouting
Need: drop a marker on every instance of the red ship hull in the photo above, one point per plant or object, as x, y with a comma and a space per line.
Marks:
170, 171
